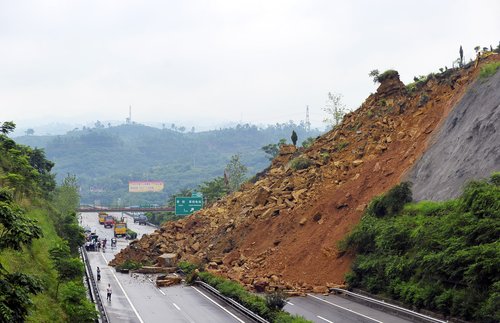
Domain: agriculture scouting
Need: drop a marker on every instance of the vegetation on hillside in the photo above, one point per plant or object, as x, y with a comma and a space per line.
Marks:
106, 159
38, 227
441, 256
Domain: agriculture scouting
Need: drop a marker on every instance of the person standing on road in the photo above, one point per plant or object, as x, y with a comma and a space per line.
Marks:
108, 295
98, 274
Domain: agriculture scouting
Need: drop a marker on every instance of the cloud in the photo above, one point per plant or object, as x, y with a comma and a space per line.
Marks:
199, 61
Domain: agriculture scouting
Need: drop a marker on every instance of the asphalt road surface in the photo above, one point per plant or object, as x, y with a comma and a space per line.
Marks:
135, 298
332, 308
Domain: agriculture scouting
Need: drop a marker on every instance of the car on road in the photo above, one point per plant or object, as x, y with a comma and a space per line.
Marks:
109, 221
141, 219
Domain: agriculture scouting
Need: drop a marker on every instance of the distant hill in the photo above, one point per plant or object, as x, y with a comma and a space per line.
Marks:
105, 159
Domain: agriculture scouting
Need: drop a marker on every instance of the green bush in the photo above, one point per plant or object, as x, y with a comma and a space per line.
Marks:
129, 265
442, 256
391, 202
341, 146
300, 163
386, 75
76, 305
276, 300
489, 69
253, 302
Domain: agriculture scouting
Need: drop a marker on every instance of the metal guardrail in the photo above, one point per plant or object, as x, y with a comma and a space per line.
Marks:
94, 290
242, 309
398, 309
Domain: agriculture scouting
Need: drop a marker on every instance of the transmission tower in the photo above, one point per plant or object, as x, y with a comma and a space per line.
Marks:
308, 122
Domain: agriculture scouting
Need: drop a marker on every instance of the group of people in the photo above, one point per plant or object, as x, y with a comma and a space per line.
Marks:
108, 289
93, 243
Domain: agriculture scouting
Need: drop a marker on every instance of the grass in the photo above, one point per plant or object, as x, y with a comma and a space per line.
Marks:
251, 301
300, 163
35, 261
489, 69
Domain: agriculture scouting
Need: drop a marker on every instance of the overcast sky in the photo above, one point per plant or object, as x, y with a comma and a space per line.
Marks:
206, 63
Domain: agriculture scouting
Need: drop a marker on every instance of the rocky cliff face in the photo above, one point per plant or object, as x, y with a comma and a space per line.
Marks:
466, 147
283, 230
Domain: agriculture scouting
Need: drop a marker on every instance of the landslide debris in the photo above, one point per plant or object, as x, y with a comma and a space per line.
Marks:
282, 231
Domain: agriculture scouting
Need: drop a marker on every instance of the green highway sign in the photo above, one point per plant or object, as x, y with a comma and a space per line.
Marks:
187, 205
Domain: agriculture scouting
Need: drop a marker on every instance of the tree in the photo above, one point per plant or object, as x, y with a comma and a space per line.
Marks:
374, 73
30, 132
7, 127
66, 201
67, 197
461, 51
335, 110
16, 231
76, 305
235, 172
186, 192
214, 189
294, 137
67, 267
308, 142
273, 149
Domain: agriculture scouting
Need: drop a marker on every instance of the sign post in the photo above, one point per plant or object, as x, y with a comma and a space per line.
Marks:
187, 205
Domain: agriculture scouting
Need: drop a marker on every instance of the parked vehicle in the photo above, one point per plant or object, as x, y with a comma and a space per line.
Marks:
142, 219
109, 221
120, 229
102, 216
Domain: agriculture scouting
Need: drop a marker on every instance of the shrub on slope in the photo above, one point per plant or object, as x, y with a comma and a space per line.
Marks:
441, 256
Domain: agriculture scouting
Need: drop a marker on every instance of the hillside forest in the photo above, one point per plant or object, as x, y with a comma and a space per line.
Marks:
41, 274
105, 159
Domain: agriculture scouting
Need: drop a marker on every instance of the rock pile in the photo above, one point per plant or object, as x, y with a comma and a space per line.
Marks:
282, 231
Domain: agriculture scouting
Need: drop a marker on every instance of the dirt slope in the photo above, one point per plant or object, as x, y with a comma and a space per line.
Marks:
467, 146
283, 230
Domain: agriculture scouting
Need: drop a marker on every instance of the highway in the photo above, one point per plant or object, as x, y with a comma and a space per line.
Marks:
332, 308
136, 298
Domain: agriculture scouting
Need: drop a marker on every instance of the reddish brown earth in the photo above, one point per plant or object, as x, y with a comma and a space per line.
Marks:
283, 230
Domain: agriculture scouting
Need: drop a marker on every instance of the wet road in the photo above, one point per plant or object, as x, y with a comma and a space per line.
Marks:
135, 298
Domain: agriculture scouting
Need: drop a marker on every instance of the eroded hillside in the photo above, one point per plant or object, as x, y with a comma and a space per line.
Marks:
283, 230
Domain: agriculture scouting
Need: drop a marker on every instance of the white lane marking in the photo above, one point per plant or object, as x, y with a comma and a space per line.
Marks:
290, 303
320, 317
211, 300
124, 293
177, 307
344, 308
156, 287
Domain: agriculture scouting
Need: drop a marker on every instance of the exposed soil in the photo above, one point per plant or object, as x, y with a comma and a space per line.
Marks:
283, 230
